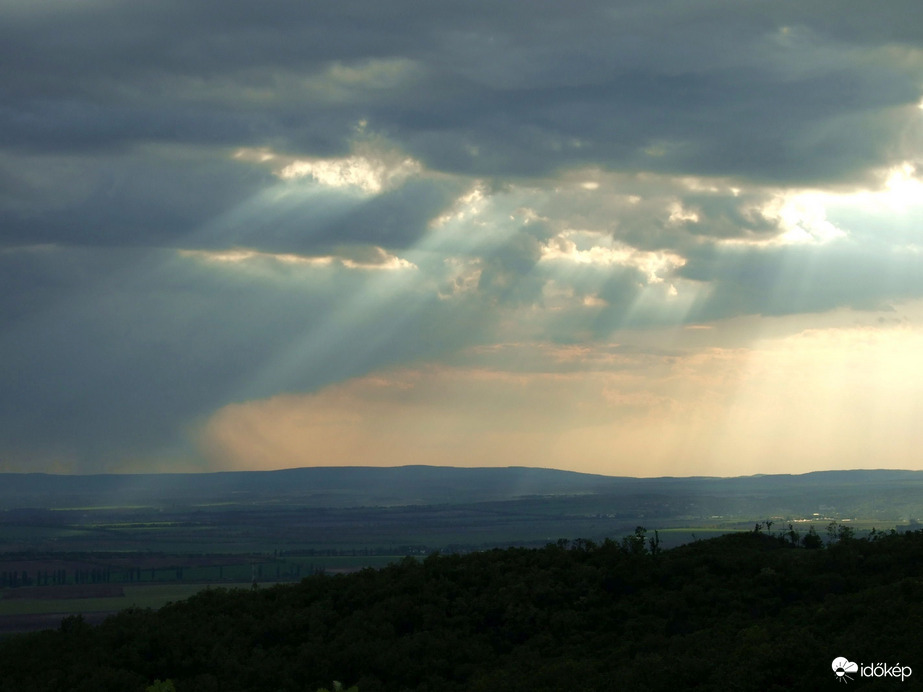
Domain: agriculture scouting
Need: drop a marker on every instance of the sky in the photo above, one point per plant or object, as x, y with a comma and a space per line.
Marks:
677, 237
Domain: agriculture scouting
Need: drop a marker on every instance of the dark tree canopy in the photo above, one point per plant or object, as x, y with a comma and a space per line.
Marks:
744, 611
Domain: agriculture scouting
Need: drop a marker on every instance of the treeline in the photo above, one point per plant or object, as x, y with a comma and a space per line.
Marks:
748, 611
360, 552
272, 570
50, 577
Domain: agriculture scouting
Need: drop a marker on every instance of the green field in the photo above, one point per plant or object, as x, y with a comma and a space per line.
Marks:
177, 544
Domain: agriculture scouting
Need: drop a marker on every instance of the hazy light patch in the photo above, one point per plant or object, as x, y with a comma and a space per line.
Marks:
827, 398
389, 300
595, 248
275, 218
374, 259
662, 212
889, 216
368, 175
819, 398
335, 84
255, 154
463, 277
679, 214
479, 222
382, 261
704, 185
344, 82
41, 459
557, 295
801, 218
663, 303
463, 417
466, 208
903, 187
613, 413
243, 255
597, 356
373, 167
804, 218
899, 189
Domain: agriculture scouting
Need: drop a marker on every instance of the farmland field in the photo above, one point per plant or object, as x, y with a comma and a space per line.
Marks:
165, 543
24, 614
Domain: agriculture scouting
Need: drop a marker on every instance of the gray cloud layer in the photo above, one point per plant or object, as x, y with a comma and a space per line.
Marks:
120, 122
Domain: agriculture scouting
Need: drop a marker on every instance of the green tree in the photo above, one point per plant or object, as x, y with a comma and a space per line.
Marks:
161, 686
338, 687
837, 533
811, 540
654, 543
634, 544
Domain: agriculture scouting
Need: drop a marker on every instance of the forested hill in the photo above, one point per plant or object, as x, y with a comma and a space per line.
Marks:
741, 612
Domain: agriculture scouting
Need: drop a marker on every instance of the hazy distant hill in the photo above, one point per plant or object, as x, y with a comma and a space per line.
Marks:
887, 493
318, 486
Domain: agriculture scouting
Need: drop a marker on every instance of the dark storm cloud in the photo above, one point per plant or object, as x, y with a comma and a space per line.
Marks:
145, 343
527, 89
145, 198
681, 124
191, 199
760, 90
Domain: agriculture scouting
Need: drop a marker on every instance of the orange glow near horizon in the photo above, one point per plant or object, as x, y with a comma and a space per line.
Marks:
812, 400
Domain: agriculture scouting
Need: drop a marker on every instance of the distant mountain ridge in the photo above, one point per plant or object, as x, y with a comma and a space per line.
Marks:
416, 484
